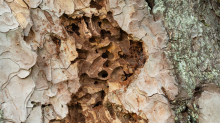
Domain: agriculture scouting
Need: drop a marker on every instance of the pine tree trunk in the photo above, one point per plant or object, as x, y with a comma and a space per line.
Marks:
109, 61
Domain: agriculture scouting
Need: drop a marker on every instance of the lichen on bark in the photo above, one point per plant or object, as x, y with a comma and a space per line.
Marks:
192, 27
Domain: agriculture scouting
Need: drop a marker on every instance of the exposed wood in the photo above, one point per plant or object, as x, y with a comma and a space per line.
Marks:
109, 61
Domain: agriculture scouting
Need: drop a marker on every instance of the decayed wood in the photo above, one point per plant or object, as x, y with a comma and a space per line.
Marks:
113, 61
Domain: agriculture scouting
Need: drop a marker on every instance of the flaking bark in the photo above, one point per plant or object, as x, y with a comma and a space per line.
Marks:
109, 61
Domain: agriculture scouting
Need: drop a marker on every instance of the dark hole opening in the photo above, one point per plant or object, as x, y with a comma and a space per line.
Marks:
99, 24
122, 55
42, 106
103, 74
93, 4
123, 35
105, 34
87, 24
86, 19
109, 14
106, 64
97, 104
65, 15
150, 3
95, 19
102, 94
95, 82
82, 54
127, 76
105, 55
92, 40
197, 91
75, 29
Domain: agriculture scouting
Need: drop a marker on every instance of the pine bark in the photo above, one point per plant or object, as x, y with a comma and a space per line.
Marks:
109, 61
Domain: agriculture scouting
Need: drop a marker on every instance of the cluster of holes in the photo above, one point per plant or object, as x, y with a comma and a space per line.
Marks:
83, 53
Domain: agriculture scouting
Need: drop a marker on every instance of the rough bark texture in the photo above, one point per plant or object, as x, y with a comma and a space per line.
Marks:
109, 61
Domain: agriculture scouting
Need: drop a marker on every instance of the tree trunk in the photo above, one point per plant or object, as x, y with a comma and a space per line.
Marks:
109, 61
